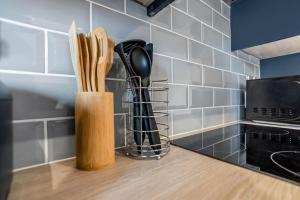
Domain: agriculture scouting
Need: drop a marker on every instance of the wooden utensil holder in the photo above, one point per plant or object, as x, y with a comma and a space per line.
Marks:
94, 122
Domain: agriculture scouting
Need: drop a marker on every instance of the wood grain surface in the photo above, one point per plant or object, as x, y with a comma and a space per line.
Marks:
180, 175
94, 122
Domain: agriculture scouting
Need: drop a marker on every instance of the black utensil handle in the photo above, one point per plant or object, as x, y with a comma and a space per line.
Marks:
154, 137
138, 123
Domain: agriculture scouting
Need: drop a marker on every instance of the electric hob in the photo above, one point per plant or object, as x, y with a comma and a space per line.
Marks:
274, 151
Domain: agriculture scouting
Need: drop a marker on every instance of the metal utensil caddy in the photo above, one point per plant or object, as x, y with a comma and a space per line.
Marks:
158, 91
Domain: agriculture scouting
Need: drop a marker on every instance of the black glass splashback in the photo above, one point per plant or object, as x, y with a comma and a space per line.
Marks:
274, 99
271, 150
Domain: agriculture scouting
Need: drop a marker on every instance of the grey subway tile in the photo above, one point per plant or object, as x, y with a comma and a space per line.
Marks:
177, 96
212, 116
212, 77
242, 82
61, 139
200, 53
21, 48
231, 114
249, 69
180, 4
243, 55
226, 44
211, 137
117, 70
254, 60
40, 96
163, 18
222, 60
169, 43
237, 65
186, 25
113, 22
237, 97
187, 73
119, 130
201, 11
222, 24
256, 71
225, 10
54, 14
161, 68
221, 97
28, 144
114, 4
212, 37
187, 120
59, 58
230, 80
119, 88
200, 97
215, 4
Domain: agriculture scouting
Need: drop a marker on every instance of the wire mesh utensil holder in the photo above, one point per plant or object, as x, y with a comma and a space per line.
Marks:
138, 143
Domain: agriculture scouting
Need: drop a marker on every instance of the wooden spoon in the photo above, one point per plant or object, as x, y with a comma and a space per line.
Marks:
86, 59
93, 61
82, 60
102, 60
110, 59
73, 42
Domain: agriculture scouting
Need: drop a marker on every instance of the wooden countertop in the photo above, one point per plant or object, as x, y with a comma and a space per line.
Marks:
180, 175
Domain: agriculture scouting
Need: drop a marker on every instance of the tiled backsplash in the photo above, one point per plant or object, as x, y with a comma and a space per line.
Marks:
192, 49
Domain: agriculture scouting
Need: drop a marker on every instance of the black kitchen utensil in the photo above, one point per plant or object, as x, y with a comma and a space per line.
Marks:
137, 58
123, 50
141, 64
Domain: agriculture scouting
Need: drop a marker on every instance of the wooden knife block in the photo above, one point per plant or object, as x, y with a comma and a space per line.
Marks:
94, 123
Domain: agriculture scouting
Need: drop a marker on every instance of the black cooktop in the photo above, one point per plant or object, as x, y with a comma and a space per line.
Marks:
275, 151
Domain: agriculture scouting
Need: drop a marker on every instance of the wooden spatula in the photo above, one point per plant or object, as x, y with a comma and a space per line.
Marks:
94, 59
82, 60
86, 62
73, 42
110, 57
102, 60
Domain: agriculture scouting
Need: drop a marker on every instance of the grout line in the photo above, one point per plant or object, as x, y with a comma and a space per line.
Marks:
46, 51
172, 70
41, 119
32, 26
206, 129
91, 17
46, 142
125, 129
125, 6
42, 164
195, 18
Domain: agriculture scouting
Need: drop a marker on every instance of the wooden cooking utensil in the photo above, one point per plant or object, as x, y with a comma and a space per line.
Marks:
94, 59
102, 60
86, 59
110, 58
81, 58
73, 42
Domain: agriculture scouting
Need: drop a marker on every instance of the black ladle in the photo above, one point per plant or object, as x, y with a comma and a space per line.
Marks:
141, 63
139, 123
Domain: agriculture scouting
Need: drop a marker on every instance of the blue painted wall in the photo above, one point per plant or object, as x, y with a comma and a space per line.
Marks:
255, 22
280, 66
